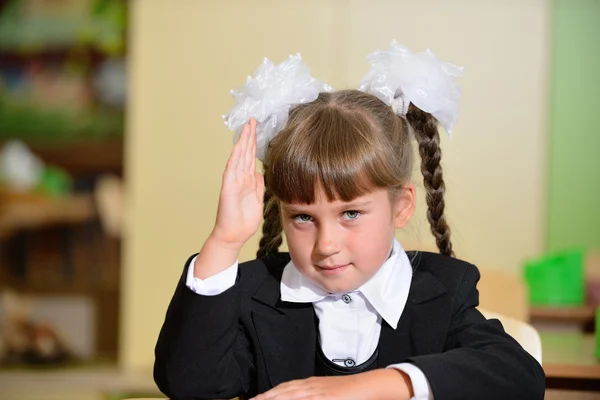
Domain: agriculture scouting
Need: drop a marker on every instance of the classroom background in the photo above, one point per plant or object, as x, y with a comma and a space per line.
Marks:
112, 148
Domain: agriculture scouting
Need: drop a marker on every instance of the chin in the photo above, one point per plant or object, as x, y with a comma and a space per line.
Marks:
338, 287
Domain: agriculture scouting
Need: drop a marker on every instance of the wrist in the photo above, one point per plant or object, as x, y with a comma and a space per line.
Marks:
217, 240
390, 383
214, 258
406, 383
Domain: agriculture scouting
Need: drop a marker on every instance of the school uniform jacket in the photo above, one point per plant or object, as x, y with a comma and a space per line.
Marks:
245, 340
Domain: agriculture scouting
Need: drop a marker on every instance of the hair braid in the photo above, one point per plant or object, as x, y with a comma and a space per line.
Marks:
428, 137
271, 230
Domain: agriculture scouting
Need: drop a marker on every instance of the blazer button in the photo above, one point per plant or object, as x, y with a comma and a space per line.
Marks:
349, 363
346, 298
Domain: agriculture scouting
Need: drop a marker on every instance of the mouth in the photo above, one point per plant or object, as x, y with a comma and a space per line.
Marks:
332, 269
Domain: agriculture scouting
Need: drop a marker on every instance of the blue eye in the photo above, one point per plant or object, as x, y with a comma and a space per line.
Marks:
351, 215
303, 218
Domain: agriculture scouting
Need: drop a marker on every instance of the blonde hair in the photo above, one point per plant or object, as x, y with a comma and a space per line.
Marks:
350, 143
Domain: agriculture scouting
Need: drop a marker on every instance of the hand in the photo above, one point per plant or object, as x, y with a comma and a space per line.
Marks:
326, 388
241, 199
377, 384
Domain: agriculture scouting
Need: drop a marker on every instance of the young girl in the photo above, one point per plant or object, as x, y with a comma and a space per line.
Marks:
348, 313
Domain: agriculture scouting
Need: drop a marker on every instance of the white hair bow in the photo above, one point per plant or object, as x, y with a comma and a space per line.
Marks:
268, 96
399, 77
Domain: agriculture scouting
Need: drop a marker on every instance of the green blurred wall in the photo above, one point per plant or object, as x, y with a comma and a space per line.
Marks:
574, 173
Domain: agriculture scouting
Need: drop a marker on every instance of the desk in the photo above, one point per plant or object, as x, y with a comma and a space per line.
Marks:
570, 318
569, 361
582, 314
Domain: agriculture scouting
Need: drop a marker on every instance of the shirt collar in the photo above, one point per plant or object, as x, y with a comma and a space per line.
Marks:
387, 291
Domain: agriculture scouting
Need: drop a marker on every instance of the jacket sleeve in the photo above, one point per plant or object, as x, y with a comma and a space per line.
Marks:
202, 350
480, 360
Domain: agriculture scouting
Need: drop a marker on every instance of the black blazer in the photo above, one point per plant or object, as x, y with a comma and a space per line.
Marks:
246, 340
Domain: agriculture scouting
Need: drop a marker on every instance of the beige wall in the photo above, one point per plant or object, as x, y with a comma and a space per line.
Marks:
187, 54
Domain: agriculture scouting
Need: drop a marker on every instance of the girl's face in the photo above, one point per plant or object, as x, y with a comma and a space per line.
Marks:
340, 245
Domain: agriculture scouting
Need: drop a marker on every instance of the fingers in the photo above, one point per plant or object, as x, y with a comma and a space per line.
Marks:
287, 391
251, 153
234, 157
260, 186
245, 135
243, 155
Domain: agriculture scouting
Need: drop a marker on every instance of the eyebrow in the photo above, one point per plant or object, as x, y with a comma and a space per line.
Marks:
345, 206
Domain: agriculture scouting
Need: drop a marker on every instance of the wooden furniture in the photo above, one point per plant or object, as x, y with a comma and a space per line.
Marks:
97, 382
70, 121
569, 361
33, 211
580, 315
64, 231
563, 318
84, 158
22, 214
503, 293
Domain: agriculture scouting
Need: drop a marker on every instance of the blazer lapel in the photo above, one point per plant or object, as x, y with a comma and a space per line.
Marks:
422, 326
286, 332
394, 344
430, 314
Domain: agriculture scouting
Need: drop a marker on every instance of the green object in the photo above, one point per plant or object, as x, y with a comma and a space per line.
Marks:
30, 28
55, 182
556, 279
574, 166
27, 122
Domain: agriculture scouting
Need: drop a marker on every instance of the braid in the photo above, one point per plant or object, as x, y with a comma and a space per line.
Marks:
271, 230
427, 135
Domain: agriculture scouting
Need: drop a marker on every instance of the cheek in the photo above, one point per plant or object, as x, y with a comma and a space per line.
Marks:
299, 243
377, 228
378, 235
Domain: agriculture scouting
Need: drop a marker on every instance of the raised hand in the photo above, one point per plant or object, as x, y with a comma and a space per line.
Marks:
241, 199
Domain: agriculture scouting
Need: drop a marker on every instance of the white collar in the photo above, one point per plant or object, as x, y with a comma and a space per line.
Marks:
387, 291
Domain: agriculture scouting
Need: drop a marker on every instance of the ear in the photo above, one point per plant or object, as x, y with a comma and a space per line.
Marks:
404, 205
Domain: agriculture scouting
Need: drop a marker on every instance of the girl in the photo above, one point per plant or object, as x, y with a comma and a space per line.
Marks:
347, 314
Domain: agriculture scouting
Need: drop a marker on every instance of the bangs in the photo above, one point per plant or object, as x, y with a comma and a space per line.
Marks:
336, 150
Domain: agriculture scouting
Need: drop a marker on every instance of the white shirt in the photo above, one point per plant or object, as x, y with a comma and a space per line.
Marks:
350, 323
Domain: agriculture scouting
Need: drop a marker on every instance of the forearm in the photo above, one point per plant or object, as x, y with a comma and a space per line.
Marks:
387, 384
215, 256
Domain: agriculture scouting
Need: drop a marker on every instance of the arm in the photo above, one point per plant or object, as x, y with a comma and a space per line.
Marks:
418, 384
202, 350
379, 384
480, 360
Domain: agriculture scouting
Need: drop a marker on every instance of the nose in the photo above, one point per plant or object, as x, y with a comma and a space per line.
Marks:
328, 241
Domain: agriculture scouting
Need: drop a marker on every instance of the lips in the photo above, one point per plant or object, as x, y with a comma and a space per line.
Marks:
332, 269
331, 266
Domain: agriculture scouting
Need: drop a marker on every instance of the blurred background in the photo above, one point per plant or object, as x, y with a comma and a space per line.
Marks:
112, 147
